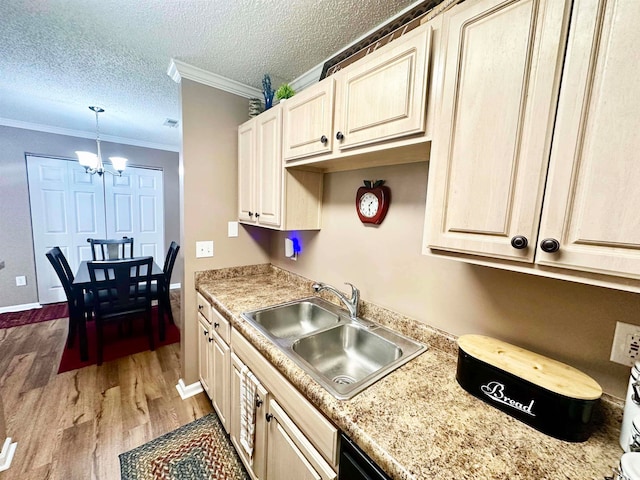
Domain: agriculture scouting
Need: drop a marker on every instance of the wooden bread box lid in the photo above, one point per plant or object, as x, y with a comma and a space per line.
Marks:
537, 369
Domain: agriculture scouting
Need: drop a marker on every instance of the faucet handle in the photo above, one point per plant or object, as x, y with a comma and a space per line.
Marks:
355, 293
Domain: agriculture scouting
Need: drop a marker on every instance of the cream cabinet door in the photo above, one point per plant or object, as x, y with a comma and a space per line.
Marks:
203, 352
493, 137
383, 96
290, 454
308, 121
219, 357
591, 205
269, 167
246, 171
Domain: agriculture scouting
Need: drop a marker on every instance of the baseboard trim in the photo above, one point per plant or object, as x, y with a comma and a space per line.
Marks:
6, 455
20, 308
187, 391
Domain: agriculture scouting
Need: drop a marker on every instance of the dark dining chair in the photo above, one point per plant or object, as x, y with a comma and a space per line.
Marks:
79, 308
161, 292
111, 249
123, 292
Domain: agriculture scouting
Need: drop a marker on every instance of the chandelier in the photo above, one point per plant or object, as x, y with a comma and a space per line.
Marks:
92, 162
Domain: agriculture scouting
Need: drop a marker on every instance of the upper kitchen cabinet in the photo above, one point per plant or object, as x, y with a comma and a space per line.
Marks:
268, 195
592, 195
357, 116
308, 121
528, 173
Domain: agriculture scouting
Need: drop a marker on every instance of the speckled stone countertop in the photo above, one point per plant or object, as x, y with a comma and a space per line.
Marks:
417, 422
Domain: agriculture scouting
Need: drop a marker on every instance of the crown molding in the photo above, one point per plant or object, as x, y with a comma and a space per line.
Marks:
7, 122
178, 70
307, 79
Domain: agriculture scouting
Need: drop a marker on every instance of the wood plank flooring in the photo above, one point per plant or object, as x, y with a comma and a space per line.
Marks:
74, 425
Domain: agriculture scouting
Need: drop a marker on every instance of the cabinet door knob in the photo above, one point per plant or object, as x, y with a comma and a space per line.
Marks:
257, 215
200, 307
339, 136
251, 214
323, 139
268, 417
550, 245
216, 325
205, 333
259, 401
210, 339
519, 242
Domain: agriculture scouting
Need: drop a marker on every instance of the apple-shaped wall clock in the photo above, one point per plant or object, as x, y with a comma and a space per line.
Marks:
372, 201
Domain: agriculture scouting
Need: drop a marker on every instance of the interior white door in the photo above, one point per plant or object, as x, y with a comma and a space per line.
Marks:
135, 208
68, 206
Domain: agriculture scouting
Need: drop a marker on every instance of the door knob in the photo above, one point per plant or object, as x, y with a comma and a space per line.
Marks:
268, 417
216, 325
550, 245
324, 139
251, 214
519, 242
339, 136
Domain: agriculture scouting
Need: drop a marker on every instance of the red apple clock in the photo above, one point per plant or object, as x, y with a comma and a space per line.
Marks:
372, 201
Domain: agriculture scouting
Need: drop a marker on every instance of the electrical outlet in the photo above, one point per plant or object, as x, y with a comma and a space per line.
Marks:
204, 249
626, 344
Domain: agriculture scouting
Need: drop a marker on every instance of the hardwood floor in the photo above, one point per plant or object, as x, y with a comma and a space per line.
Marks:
74, 425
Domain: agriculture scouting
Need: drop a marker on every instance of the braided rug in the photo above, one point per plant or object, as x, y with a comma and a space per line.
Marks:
199, 450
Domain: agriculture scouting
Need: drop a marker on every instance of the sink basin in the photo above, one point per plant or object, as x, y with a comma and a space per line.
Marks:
342, 354
292, 320
346, 354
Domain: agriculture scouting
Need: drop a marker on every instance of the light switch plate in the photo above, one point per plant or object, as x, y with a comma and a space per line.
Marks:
204, 249
232, 229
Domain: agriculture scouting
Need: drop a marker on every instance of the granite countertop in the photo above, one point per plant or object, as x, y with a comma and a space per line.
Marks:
417, 422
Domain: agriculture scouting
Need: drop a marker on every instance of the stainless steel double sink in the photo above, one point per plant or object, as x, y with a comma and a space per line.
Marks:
343, 355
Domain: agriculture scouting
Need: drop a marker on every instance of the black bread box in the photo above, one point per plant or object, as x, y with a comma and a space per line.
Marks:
548, 395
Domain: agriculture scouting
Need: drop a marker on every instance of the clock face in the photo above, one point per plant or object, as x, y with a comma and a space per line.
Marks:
369, 205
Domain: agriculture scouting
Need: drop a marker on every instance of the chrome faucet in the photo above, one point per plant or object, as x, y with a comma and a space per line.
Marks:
351, 304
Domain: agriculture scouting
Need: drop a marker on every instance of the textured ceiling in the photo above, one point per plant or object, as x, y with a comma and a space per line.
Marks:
59, 56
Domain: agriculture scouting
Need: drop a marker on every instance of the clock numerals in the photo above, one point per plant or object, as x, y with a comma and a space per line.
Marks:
372, 201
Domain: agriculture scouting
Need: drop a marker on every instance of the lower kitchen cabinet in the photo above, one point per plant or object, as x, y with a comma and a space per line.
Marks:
292, 438
289, 453
214, 358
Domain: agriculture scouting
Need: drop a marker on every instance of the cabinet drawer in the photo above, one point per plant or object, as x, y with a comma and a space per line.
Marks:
204, 307
320, 431
220, 325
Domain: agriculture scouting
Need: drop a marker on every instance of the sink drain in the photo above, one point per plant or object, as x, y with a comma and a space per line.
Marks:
343, 380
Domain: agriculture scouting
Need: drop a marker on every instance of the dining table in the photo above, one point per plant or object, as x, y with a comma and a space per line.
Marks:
82, 283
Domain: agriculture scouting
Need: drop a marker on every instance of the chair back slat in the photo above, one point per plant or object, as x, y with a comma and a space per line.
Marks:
63, 270
111, 249
169, 262
121, 286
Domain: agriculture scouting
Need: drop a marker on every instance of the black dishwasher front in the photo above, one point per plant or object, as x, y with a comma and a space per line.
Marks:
356, 465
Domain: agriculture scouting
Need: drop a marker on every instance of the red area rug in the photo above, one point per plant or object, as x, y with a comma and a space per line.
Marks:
116, 346
52, 311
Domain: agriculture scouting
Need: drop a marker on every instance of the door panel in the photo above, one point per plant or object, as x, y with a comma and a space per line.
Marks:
67, 207
491, 149
591, 203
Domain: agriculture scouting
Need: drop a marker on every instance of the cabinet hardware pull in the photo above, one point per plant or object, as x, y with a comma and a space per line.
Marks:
268, 417
251, 214
339, 136
257, 215
210, 339
259, 402
216, 325
550, 245
519, 242
205, 333
324, 139
200, 307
